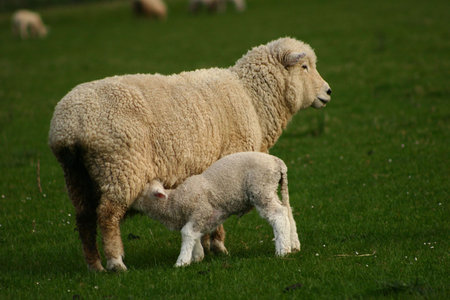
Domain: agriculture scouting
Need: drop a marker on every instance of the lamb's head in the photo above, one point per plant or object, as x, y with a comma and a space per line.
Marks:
305, 87
156, 191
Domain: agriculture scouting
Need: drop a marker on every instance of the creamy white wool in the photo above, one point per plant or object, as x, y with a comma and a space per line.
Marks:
27, 24
216, 5
113, 136
230, 186
150, 8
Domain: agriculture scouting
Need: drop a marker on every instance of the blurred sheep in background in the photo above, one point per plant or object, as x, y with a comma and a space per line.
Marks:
150, 8
215, 5
27, 24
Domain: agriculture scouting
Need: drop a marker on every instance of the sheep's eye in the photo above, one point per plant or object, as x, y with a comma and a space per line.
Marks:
305, 67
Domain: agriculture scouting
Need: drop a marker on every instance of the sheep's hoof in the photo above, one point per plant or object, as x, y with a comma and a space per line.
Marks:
116, 265
218, 247
96, 267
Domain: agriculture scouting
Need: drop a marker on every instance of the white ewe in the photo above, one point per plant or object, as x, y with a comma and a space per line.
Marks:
115, 135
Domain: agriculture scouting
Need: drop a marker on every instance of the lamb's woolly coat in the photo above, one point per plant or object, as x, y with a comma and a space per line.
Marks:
112, 136
230, 186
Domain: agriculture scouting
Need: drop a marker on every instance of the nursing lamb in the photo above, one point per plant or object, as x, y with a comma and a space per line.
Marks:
113, 136
230, 186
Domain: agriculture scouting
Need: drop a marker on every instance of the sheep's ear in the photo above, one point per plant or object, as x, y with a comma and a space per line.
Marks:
292, 58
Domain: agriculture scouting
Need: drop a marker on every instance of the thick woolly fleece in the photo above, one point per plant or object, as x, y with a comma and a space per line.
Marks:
230, 186
113, 136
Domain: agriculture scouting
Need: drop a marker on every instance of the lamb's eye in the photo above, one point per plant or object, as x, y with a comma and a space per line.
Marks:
305, 67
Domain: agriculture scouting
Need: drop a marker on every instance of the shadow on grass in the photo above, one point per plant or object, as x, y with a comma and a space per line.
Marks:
401, 289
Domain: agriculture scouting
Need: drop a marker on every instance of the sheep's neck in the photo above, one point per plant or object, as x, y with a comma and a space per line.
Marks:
268, 101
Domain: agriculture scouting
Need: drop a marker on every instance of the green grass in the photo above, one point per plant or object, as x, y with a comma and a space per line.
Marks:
369, 174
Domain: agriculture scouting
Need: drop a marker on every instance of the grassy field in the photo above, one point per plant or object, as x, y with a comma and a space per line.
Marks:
369, 174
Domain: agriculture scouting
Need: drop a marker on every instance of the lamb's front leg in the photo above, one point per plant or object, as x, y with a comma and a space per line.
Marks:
189, 237
198, 254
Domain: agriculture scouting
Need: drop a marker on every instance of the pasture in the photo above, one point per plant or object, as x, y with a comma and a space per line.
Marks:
368, 174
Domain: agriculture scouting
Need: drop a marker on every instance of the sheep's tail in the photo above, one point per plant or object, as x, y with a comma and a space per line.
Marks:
284, 185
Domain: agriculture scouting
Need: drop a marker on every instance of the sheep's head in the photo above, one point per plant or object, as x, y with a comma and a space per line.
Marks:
305, 87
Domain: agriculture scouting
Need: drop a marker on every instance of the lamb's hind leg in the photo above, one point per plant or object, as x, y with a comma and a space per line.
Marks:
295, 242
277, 215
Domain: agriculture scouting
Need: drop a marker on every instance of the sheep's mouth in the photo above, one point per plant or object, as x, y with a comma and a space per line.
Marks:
324, 101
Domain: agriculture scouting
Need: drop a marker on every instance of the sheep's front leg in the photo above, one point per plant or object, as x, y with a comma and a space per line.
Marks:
189, 237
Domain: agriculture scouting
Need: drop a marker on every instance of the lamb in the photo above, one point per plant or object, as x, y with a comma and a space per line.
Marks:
215, 5
150, 8
230, 186
26, 24
113, 136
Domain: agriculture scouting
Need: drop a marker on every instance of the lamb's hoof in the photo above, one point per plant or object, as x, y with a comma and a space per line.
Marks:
218, 247
296, 247
198, 257
182, 264
116, 265
282, 252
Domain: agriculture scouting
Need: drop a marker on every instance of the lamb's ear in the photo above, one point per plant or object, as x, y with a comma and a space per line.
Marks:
157, 190
292, 58
160, 194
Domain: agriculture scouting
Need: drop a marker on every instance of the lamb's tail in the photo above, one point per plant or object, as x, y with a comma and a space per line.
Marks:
284, 184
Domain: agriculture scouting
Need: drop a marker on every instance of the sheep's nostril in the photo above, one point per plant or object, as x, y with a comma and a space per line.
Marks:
329, 92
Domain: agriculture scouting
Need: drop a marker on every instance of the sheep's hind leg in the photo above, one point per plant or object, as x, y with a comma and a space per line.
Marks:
277, 216
84, 196
109, 215
218, 240
189, 238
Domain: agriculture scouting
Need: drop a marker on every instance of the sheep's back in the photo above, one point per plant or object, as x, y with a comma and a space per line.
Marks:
176, 125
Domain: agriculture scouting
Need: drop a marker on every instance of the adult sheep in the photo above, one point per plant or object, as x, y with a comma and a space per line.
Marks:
113, 136
150, 8
215, 5
26, 23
